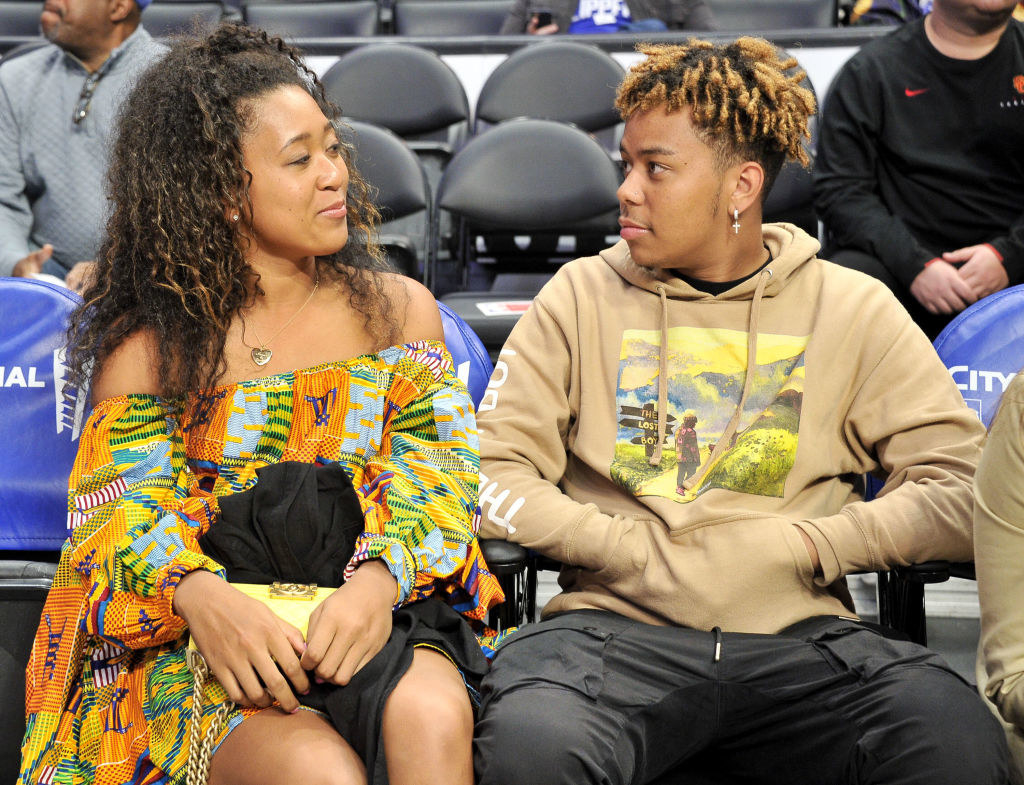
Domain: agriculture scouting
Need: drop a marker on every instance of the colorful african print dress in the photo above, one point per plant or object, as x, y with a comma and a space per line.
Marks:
108, 694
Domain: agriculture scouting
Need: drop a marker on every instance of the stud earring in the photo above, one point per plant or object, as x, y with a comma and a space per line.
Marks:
736, 221
234, 217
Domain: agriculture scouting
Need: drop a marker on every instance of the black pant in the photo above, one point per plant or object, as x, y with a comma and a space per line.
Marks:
593, 697
930, 323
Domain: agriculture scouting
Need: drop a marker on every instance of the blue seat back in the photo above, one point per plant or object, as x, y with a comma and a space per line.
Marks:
983, 348
39, 423
472, 363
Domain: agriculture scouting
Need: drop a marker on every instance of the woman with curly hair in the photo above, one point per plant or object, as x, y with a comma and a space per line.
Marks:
242, 322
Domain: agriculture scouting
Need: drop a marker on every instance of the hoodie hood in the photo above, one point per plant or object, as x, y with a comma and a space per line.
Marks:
790, 247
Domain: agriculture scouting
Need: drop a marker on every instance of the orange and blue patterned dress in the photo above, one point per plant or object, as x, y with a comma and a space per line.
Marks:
108, 693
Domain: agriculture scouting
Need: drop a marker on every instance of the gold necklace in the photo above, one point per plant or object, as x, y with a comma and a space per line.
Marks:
261, 354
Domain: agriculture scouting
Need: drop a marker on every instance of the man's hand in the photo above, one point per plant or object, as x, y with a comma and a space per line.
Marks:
348, 628
533, 27
982, 270
80, 277
32, 264
940, 288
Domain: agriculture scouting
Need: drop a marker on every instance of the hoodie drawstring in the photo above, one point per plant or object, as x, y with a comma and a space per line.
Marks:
662, 379
748, 381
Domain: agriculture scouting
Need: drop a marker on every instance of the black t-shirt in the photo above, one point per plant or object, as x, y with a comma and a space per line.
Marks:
715, 288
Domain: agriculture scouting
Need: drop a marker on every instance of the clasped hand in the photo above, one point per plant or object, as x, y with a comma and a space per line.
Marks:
258, 657
942, 288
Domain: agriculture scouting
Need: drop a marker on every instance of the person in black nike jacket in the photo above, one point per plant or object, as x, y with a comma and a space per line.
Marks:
921, 159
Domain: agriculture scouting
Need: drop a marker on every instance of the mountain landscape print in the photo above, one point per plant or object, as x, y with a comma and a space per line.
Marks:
706, 373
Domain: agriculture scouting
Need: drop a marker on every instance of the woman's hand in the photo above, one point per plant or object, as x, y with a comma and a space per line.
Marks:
348, 628
242, 641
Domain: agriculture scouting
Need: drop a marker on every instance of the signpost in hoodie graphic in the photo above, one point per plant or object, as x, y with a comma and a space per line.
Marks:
706, 371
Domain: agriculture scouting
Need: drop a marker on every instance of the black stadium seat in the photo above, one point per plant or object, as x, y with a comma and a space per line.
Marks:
449, 17
408, 90
20, 18
553, 80
23, 588
170, 17
401, 193
314, 20
757, 16
523, 177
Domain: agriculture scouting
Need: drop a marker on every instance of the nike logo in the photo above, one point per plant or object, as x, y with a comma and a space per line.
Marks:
911, 93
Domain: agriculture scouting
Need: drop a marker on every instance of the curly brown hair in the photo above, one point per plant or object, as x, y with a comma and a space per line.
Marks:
171, 262
743, 103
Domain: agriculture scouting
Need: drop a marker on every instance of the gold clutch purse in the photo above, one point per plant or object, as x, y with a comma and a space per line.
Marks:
293, 602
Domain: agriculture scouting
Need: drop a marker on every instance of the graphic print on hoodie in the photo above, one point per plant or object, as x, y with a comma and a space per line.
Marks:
706, 371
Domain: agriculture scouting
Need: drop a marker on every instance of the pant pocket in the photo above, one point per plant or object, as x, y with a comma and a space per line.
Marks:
868, 654
566, 651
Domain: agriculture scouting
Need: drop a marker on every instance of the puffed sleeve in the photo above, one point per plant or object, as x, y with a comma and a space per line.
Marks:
135, 513
419, 492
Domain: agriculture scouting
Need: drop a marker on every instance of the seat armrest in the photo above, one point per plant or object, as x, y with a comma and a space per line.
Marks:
21, 568
963, 570
503, 557
924, 572
936, 571
510, 563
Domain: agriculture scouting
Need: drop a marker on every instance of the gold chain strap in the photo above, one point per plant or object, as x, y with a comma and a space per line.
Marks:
200, 752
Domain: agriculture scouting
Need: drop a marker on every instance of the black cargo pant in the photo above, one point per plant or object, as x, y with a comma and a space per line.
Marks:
593, 697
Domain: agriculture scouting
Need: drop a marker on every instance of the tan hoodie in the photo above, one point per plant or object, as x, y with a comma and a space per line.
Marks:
578, 456
999, 543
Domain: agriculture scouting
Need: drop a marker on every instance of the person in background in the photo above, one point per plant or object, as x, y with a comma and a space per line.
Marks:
708, 627
545, 17
884, 12
242, 323
57, 106
921, 159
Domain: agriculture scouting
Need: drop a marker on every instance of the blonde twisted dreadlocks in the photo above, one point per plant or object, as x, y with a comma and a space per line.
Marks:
743, 104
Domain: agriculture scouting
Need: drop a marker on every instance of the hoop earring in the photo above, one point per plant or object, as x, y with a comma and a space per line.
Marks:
736, 221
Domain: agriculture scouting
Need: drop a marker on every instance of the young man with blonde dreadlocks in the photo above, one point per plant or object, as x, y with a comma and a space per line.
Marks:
707, 627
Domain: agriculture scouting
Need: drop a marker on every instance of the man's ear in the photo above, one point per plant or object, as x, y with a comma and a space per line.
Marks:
748, 181
121, 9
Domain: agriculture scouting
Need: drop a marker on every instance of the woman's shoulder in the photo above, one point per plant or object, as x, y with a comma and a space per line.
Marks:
422, 320
130, 369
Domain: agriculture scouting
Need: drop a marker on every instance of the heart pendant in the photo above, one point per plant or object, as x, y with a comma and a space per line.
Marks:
261, 355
